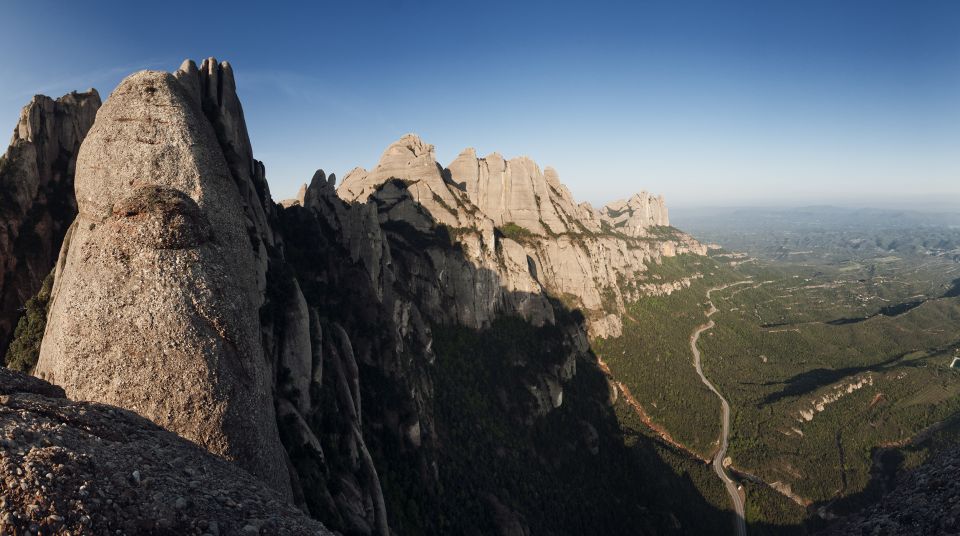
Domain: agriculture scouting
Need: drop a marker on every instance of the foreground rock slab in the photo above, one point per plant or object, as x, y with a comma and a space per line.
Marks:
85, 468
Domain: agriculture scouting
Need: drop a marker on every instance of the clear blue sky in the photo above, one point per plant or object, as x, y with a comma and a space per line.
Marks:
711, 102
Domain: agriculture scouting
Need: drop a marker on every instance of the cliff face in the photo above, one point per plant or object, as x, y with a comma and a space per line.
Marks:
370, 349
636, 215
523, 227
37, 203
517, 191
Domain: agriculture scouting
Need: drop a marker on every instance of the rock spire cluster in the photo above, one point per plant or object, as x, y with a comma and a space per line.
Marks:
296, 340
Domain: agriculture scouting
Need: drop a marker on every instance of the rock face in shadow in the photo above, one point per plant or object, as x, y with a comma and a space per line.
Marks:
88, 468
155, 306
36, 195
923, 501
431, 310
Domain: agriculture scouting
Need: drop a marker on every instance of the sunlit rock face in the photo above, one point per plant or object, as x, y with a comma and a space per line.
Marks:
521, 230
635, 215
155, 305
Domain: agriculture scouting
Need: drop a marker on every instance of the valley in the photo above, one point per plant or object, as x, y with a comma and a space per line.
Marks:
831, 360
459, 348
720, 458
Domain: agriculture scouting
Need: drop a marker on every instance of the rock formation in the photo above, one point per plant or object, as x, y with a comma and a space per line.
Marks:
522, 227
298, 340
516, 191
87, 468
635, 215
413, 161
36, 182
923, 500
156, 297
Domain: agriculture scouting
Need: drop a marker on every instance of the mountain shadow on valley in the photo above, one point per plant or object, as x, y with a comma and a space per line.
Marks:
509, 438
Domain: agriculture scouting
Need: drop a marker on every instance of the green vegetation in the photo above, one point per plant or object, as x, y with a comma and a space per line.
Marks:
771, 513
573, 470
663, 232
23, 352
439, 200
653, 357
832, 358
861, 385
515, 232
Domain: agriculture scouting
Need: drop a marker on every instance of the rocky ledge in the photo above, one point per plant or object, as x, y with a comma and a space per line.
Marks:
84, 468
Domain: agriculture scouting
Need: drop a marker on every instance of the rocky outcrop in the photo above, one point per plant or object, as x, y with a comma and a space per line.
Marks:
636, 215
297, 340
415, 163
516, 191
86, 468
156, 300
36, 187
523, 235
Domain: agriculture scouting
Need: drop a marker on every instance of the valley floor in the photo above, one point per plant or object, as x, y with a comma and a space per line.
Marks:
830, 385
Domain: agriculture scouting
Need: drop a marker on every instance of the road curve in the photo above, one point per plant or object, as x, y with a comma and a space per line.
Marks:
736, 496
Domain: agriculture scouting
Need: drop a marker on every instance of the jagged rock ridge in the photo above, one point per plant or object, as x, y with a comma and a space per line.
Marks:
185, 293
173, 299
524, 226
36, 185
160, 252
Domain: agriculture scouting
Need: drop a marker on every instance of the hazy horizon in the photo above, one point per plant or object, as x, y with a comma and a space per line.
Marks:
708, 105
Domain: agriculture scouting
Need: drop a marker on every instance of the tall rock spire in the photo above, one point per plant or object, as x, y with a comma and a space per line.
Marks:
156, 302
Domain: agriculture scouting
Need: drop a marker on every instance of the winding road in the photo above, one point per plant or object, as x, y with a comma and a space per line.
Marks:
736, 494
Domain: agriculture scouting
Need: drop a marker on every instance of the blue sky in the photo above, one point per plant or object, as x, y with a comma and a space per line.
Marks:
708, 103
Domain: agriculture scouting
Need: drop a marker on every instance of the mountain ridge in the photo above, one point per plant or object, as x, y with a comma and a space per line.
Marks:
322, 333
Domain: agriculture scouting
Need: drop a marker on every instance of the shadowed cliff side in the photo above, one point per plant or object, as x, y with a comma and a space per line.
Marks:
36, 196
479, 421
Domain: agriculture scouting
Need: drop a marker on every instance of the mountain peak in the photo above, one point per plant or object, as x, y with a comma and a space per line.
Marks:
409, 145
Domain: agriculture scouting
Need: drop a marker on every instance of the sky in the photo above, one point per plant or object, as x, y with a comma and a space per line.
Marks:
709, 103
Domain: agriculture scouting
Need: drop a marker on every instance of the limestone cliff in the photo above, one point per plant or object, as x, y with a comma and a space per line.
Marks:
636, 215
523, 227
36, 185
516, 191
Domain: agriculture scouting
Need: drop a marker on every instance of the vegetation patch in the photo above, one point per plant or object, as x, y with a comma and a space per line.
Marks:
23, 352
516, 232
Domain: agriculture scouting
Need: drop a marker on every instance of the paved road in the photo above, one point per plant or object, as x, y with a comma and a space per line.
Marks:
736, 496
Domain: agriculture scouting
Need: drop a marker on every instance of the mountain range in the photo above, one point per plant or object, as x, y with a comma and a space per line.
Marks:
406, 350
